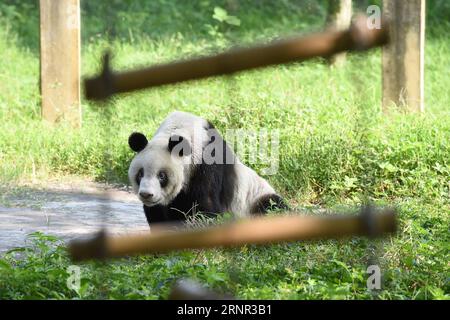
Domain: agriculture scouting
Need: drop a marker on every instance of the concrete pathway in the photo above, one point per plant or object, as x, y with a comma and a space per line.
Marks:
68, 212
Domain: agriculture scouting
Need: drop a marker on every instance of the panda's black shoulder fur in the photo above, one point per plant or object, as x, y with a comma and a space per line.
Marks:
210, 189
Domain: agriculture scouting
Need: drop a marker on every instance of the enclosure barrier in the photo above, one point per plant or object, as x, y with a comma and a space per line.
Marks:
261, 230
325, 44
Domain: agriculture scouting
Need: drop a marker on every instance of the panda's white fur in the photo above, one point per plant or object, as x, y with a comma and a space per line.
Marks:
190, 182
249, 187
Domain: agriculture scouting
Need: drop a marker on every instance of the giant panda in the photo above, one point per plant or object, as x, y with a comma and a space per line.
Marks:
187, 167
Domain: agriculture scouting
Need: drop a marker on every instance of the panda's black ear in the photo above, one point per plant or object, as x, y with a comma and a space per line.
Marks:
179, 145
137, 141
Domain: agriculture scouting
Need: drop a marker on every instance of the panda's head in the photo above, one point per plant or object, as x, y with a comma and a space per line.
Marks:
158, 172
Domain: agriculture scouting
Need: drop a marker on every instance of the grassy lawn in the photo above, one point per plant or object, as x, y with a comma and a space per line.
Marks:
336, 150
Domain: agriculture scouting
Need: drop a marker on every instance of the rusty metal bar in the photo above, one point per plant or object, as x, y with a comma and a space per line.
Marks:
324, 44
261, 230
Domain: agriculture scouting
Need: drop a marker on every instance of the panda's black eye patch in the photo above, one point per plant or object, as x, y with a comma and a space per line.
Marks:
139, 176
163, 179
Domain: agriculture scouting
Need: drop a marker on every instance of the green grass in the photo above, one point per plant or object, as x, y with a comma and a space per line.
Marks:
337, 150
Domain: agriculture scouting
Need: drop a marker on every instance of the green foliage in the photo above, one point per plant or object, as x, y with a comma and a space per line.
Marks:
336, 149
222, 15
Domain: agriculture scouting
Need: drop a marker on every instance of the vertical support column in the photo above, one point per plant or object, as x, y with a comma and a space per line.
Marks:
339, 18
60, 60
403, 59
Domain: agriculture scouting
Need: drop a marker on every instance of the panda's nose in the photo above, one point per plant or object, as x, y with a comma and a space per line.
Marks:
145, 195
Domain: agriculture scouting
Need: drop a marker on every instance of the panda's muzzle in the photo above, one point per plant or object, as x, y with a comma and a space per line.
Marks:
145, 196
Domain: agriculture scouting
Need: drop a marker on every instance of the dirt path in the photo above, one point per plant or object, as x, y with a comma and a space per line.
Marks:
67, 211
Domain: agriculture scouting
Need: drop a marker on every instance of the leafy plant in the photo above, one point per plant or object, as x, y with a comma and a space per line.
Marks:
222, 15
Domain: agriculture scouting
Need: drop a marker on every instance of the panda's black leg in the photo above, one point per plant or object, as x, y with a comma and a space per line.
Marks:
267, 203
158, 214
155, 214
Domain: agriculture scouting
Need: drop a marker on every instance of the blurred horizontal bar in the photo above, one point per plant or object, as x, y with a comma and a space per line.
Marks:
260, 230
325, 44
